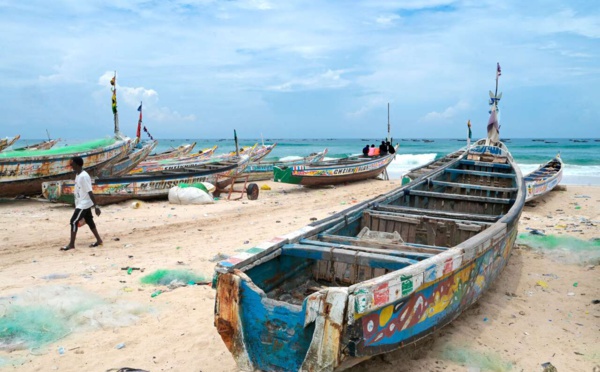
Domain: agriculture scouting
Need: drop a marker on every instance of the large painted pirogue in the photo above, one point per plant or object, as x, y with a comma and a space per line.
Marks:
150, 185
22, 172
376, 277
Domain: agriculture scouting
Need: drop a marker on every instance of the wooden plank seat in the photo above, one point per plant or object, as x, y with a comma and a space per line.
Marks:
390, 251
372, 260
485, 164
428, 212
462, 223
412, 247
441, 195
479, 173
473, 187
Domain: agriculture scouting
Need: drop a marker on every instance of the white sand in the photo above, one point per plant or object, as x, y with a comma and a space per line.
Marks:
517, 322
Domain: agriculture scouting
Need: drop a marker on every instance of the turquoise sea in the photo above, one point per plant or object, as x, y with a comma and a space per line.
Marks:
581, 156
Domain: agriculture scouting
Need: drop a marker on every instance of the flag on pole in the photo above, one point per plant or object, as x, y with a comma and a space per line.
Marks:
498, 70
114, 93
469, 125
139, 128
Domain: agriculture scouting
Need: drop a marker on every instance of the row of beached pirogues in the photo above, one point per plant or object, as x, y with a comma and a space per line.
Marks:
122, 168
125, 169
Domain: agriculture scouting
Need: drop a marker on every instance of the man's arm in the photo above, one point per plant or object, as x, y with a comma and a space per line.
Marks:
96, 207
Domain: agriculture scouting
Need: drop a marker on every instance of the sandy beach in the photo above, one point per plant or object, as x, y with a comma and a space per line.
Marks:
540, 310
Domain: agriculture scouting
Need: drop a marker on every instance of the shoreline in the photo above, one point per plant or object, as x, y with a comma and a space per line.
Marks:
174, 330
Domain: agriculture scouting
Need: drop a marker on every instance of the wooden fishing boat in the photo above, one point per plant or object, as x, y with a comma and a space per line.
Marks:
133, 158
176, 162
181, 150
429, 167
263, 170
22, 172
333, 171
150, 185
44, 145
377, 276
544, 179
7, 142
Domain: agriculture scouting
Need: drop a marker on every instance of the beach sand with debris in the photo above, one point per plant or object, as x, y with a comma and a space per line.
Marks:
86, 309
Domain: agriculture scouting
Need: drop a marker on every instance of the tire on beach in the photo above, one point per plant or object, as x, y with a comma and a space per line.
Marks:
252, 191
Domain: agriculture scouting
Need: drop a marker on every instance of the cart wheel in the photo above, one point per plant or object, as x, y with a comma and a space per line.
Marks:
252, 191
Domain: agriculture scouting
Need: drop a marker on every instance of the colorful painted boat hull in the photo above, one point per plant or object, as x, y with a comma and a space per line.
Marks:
375, 277
144, 186
332, 172
25, 175
542, 180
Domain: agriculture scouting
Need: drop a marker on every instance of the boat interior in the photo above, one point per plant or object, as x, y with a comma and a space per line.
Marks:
548, 170
430, 215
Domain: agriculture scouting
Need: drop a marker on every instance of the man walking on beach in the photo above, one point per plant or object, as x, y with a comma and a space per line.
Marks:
84, 202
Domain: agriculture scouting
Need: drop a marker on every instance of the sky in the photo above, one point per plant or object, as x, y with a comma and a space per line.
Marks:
299, 69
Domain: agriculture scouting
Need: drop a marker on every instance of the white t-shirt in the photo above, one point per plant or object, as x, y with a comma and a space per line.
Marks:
83, 185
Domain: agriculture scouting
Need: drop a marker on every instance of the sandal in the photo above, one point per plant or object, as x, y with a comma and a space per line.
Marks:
95, 244
66, 248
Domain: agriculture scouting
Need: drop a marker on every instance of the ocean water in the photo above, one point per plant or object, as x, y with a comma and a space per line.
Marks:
581, 156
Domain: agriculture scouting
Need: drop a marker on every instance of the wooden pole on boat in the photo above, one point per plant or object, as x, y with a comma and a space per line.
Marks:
113, 83
388, 136
237, 150
48, 134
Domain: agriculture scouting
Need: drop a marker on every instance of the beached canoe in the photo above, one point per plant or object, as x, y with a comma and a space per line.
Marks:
7, 142
133, 158
176, 162
150, 185
23, 172
263, 170
544, 179
44, 145
333, 172
181, 150
377, 276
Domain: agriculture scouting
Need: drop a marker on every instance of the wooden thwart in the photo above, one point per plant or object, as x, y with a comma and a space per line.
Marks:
429, 212
441, 195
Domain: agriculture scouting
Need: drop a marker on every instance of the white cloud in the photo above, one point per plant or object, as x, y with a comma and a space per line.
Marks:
327, 80
449, 113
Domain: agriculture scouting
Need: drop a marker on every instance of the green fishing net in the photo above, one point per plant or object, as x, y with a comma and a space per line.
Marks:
42, 315
472, 358
196, 185
81, 147
567, 249
165, 277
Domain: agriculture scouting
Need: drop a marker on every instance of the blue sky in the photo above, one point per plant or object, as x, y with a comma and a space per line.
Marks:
299, 69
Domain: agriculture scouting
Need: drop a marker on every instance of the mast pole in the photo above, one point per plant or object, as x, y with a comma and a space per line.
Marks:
114, 104
388, 136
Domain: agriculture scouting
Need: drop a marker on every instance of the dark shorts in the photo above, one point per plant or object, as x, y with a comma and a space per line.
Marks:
82, 214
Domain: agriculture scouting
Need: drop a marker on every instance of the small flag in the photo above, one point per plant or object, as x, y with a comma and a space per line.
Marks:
469, 125
498, 70
138, 134
112, 81
114, 102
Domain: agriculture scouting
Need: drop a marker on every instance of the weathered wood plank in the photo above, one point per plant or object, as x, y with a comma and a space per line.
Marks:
441, 195
428, 212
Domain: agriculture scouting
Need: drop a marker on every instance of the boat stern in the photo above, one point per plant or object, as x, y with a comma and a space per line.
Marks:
285, 175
